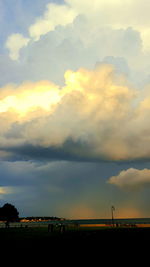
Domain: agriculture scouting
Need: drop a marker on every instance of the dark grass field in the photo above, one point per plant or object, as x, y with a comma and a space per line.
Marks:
82, 246
105, 246
39, 239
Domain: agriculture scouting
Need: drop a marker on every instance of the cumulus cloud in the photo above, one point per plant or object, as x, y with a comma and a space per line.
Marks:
82, 42
132, 13
15, 43
74, 46
97, 114
100, 14
131, 179
87, 110
110, 12
54, 15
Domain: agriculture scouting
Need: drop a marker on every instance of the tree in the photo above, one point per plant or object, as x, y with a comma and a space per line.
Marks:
9, 213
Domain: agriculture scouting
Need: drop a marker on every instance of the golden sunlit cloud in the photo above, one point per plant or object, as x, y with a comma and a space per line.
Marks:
95, 107
30, 96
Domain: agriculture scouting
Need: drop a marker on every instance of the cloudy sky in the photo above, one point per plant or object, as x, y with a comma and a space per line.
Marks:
75, 107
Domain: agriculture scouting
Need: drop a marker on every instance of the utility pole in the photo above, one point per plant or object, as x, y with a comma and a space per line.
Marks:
112, 215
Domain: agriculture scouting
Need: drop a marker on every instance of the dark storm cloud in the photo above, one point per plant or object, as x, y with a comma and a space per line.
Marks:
68, 151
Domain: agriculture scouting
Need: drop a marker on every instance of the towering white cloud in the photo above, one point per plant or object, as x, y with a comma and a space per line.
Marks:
99, 14
117, 14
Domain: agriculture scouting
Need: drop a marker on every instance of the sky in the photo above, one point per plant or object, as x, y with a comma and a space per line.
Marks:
75, 107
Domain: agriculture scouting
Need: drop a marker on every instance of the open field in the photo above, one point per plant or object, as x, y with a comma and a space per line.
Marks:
22, 238
94, 245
